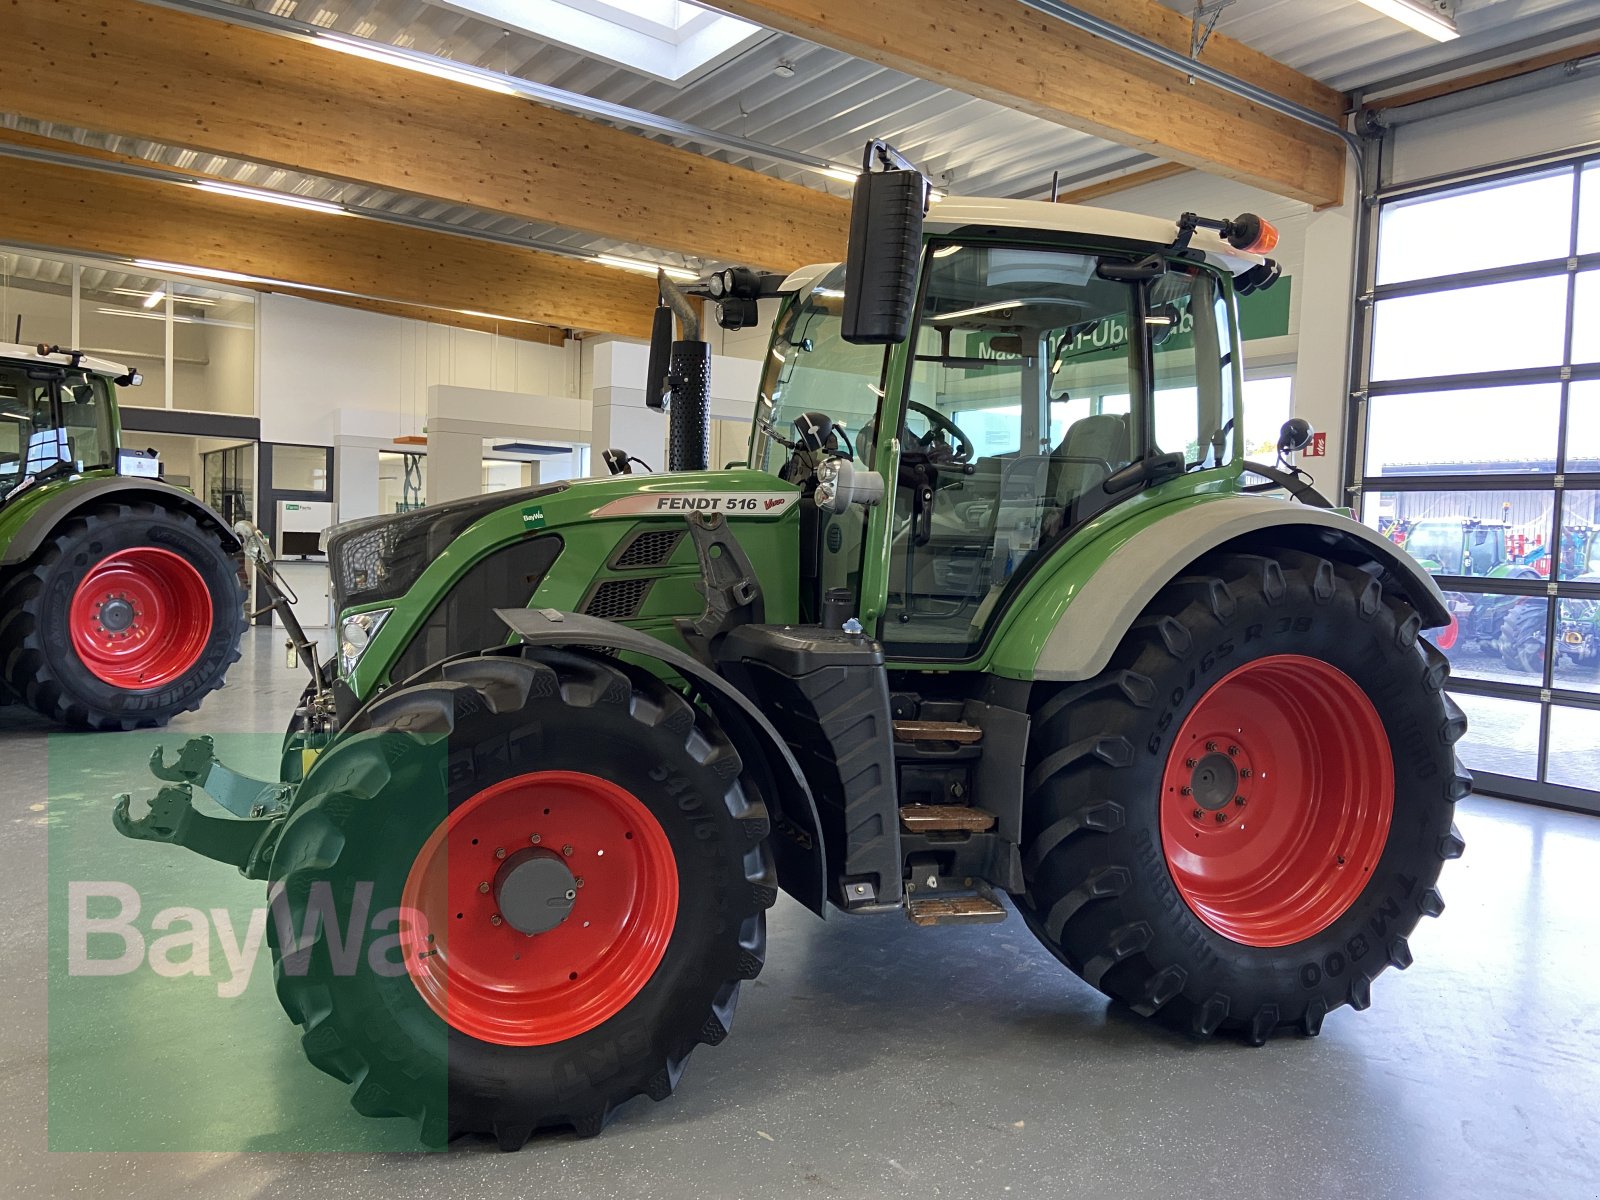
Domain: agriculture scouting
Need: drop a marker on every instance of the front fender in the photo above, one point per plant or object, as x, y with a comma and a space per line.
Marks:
796, 829
1069, 631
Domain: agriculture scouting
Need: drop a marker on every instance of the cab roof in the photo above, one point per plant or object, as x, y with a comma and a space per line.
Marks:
954, 213
12, 351
961, 212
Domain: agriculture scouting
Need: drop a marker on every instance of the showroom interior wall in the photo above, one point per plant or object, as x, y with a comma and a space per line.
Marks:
1478, 409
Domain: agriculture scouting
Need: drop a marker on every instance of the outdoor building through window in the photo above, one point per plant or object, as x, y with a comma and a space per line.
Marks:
1479, 452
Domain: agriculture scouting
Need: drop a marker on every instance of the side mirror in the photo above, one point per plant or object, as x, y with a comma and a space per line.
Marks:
655, 375
886, 213
1295, 435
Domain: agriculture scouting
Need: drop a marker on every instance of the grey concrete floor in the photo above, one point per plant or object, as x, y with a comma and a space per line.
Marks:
870, 1059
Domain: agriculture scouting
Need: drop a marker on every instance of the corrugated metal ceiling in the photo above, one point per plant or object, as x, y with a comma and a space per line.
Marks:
832, 103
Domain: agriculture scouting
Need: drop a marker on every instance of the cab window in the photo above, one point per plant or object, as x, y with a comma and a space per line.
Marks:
1029, 387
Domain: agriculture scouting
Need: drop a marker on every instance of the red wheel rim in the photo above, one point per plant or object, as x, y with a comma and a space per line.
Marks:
488, 977
140, 618
1276, 800
1446, 637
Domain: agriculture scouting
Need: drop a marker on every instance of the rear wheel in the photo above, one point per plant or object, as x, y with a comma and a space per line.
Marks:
1522, 637
581, 884
1235, 827
128, 615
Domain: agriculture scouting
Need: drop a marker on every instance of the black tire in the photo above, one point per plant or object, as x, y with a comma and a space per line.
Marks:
1100, 893
37, 657
371, 801
1522, 637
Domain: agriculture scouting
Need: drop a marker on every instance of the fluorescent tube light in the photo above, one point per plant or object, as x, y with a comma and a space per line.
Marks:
426, 64
153, 299
287, 199
1429, 17
647, 268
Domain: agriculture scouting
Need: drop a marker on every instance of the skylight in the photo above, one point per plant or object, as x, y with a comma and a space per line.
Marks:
672, 40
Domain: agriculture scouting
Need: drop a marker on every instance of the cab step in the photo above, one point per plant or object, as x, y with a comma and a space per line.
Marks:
941, 818
954, 910
958, 732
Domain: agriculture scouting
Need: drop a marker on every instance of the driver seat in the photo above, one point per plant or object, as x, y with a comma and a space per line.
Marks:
1092, 448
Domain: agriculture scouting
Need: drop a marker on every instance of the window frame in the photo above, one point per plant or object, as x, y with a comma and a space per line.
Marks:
1549, 694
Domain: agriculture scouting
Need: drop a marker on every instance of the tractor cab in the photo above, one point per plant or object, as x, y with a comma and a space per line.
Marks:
1049, 378
1458, 545
56, 417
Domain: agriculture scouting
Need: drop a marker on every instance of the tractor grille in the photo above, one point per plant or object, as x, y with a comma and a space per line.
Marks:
617, 599
648, 548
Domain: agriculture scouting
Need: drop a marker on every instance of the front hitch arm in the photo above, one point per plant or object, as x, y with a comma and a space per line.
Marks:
246, 844
245, 840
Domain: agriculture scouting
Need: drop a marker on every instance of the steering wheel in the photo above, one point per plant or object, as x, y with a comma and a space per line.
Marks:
938, 423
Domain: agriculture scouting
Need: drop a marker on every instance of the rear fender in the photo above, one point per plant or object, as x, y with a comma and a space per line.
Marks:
65, 501
1069, 632
796, 830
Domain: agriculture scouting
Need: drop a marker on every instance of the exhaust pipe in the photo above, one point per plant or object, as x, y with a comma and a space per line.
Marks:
679, 380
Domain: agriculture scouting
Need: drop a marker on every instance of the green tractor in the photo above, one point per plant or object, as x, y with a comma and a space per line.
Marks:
1475, 548
121, 599
988, 621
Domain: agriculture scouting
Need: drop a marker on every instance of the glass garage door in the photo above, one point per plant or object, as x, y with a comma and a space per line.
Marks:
1478, 450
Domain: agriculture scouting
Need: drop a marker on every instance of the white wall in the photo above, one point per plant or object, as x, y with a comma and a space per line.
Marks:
321, 359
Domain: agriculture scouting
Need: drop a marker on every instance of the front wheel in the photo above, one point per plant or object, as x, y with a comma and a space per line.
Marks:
1236, 826
568, 880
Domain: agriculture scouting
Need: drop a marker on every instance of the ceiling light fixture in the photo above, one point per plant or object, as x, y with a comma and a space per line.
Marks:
153, 299
287, 199
1433, 18
647, 268
427, 65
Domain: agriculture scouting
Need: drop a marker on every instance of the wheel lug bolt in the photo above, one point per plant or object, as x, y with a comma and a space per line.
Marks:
535, 839
1221, 817
495, 919
1233, 751
500, 852
1198, 814
567, 850
483, 887
1244, 772
1188, 791
1211, 747
578, 882
1239, 800
1190, 762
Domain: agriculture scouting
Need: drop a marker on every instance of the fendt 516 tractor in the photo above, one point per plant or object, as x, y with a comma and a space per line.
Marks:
121, 601
989, 613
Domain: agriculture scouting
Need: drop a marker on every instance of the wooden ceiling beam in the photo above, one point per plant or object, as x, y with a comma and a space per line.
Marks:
368, 262
1012, 54
1090, 192
193, 81
1462, 83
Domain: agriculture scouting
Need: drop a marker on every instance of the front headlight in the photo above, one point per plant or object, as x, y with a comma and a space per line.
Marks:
355, 635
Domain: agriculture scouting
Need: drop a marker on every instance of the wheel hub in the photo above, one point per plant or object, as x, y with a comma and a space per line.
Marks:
535, 891
1215, 781
116, 614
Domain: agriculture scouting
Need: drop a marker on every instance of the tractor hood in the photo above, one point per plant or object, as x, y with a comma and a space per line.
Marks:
379, 559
